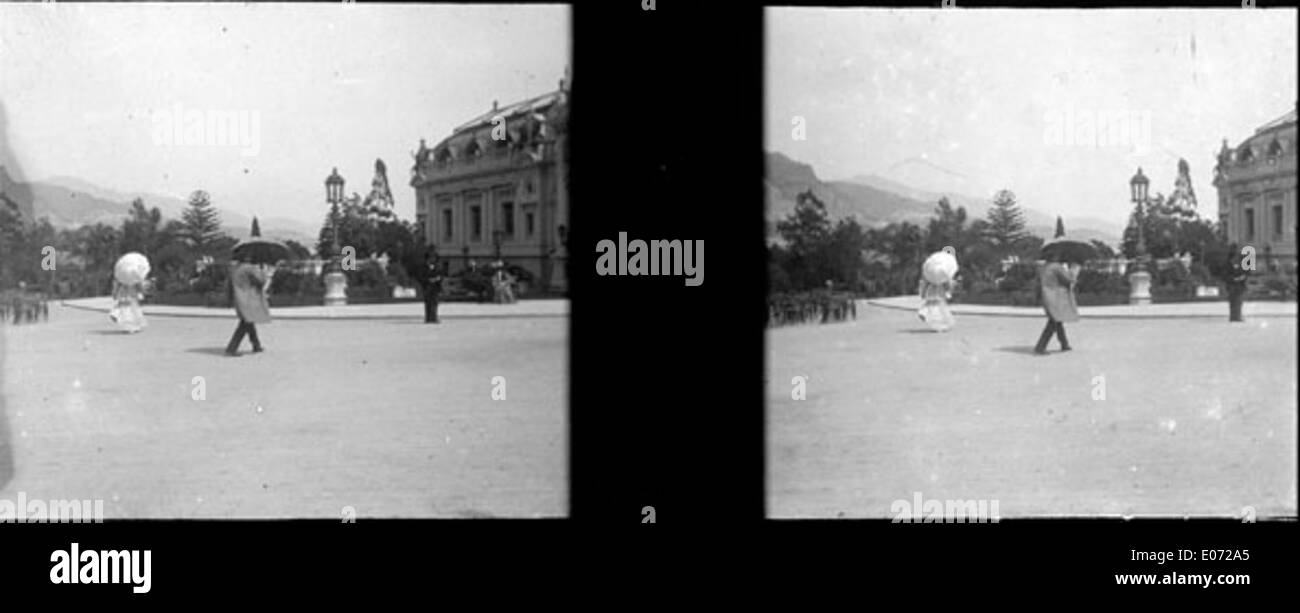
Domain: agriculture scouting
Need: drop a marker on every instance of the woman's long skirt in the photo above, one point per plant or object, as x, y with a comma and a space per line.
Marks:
128, 315
934, 311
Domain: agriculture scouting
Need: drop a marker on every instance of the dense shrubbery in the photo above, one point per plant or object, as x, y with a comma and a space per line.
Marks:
292, 282
189, 257
1172, 283
814, 251
1018, 277
1101, 283
1280, 285
369, 275
367, 284
1019, 287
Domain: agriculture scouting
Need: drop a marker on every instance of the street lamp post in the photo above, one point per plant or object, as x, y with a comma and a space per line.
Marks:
335, 281
1140, 280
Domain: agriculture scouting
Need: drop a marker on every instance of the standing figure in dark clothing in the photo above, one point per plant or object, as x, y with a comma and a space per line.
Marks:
1057, 282
432, 286
1236, 282
249, 284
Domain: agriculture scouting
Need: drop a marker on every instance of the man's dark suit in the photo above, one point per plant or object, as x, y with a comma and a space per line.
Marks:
432, 289
1236, 282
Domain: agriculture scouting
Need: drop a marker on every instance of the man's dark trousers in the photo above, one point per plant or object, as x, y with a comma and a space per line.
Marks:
248, 328
430, 306
1056, 327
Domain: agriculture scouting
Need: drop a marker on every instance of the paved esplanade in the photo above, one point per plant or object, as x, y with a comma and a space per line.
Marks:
390, 417
1197, 416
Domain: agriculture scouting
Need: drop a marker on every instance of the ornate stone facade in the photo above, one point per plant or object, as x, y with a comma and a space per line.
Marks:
1257, 191
499, 185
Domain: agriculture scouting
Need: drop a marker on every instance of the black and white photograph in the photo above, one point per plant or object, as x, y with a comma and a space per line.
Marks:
294, 300
282, 261
1030, 263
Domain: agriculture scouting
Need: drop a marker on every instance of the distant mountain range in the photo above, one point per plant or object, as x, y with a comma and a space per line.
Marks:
911, 194
69, 202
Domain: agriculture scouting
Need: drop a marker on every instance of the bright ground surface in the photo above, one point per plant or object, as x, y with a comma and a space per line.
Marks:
391, 418
1199, 417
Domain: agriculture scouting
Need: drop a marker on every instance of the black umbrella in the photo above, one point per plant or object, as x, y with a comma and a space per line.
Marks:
1068, 249
261, 251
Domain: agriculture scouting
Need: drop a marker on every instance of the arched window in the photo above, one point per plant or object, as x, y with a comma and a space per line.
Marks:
472, 149
1246, 154
1274, 148
442, 155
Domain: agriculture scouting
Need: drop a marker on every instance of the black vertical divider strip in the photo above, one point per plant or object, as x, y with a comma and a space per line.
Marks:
666, 380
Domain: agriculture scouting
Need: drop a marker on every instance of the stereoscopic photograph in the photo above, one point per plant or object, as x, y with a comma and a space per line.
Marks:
283, 261
1031, 263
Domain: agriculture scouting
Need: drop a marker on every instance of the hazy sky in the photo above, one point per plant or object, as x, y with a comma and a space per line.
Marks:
977, 92
331, 85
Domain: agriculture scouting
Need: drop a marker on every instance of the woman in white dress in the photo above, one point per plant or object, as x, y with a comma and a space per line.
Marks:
934, 305
937, 276
130, 274
126, 311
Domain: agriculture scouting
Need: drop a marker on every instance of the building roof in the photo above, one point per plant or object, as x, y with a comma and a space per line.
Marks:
1280, 131
1288, 118
516, 116
535, 104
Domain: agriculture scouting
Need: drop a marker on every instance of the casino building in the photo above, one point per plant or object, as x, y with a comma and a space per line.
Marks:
1256, 182
497, 188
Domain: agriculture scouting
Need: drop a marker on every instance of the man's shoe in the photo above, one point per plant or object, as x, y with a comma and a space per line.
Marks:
1040, 352
257, 350
1066, 348
232, 354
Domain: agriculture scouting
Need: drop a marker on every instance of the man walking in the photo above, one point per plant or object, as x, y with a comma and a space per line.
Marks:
249, 284
432, 286
1057, 283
